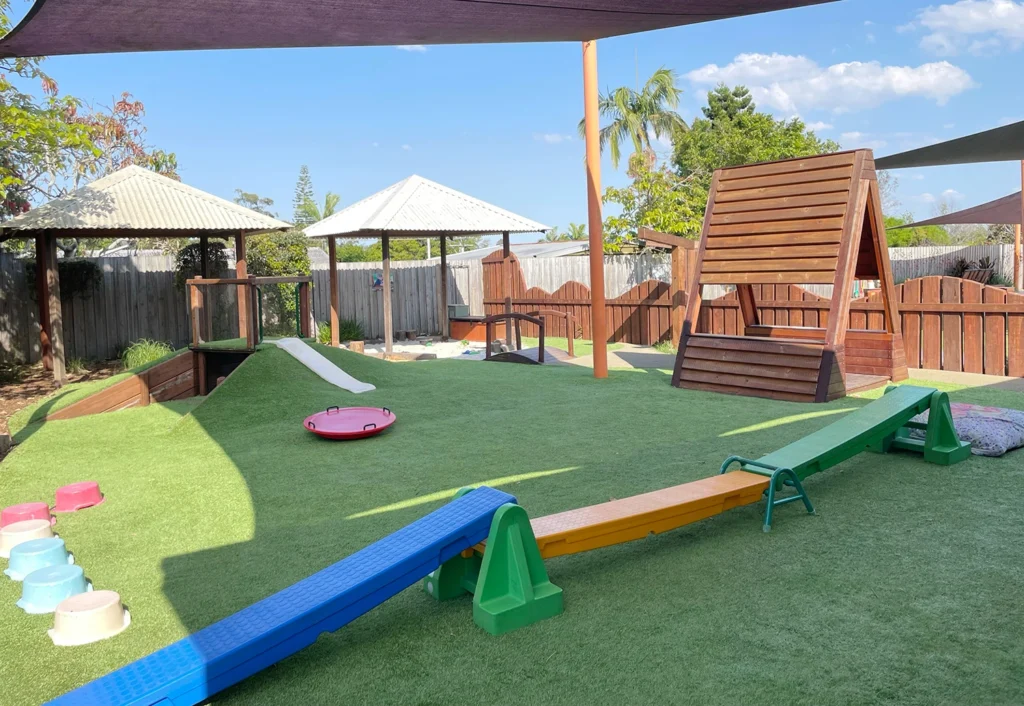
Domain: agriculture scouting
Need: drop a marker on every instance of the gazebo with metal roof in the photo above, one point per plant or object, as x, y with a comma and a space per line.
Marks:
415, 208
99, 26
130, 203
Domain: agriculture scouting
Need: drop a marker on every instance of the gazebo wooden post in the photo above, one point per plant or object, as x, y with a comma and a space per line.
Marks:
49, 272
204, 272
592, 128
506, 284
444, 288
241, 272
389, 329
332, 275
43, 299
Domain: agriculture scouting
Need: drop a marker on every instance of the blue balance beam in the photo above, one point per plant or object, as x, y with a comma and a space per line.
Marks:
193, 669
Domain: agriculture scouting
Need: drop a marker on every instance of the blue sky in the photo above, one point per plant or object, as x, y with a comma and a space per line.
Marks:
499, 121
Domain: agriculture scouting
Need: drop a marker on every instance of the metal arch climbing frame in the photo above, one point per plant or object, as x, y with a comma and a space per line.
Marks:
778, 476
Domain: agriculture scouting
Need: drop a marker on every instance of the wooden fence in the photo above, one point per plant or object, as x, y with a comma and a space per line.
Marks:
948, 323
641, 315
136, 298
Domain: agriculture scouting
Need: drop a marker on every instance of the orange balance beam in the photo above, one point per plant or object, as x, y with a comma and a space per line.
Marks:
636, 517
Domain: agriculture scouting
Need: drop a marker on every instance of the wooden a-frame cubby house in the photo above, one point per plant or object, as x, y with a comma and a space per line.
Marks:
813, 220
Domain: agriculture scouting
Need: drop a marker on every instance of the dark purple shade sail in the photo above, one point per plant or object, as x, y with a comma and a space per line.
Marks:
1001, 144
55, 27
1005, 210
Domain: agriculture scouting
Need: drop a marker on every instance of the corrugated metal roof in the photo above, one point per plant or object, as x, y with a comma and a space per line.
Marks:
134, 198
525, 250
418, 205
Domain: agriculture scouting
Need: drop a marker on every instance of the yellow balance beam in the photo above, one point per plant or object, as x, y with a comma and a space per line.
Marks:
629, 519
636, 517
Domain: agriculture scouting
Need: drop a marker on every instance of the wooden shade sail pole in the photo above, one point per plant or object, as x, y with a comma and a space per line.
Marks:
1018, 284
595, 224
332, 269
389, 328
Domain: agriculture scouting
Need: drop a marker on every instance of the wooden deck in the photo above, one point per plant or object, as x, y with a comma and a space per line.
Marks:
528, 356
856, 382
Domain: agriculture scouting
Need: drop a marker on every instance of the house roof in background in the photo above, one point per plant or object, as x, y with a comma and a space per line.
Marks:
137, 199
54, 27
559, 248
418, 207
1001, 144
1005, 210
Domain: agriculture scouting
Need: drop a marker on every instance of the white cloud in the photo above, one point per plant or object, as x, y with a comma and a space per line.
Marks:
861, 140
411, 47
916, 177
951, 194
868, 23
927, 198
975, 26
949, 126
869, 38
407, 148
818, 125
551, 138
375, 144
796, 83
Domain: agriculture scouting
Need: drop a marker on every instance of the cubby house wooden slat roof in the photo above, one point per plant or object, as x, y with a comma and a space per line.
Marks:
814, 220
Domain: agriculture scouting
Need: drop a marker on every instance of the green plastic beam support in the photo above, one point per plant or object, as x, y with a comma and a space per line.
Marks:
457, 576
513, 589
941, 444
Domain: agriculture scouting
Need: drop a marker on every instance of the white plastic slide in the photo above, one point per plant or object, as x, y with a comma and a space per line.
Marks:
321, 366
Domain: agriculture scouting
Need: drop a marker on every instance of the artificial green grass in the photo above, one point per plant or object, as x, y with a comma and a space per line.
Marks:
903, 589
71, 393
580, 346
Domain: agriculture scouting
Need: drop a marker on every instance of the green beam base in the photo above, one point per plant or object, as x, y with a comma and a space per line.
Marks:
509, 583
940, 445
513, 590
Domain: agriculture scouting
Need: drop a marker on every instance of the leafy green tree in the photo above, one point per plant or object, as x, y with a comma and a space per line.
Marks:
634, 115
897, 237
349, 251
399, 249
260, 204
738, 134
303, 194
658, 198
726, 104
552, 236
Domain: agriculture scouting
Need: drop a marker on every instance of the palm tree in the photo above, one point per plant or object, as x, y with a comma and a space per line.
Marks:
312, 211
552, 236
577, 231
636, 114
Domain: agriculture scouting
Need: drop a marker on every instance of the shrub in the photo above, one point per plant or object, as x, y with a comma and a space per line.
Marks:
986, 263
349, 330
76, 366
144, 351
960, 265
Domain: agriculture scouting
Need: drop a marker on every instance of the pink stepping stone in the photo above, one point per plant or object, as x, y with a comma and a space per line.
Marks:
78, 496
25, 511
